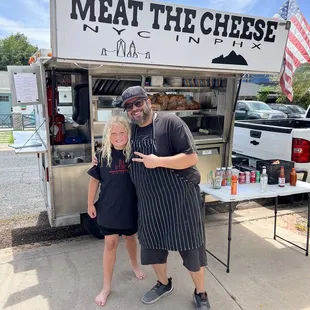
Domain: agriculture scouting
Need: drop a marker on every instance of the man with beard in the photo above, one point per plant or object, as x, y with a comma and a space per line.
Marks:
169, 203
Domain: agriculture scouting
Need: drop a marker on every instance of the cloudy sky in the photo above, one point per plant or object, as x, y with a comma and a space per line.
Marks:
32, 16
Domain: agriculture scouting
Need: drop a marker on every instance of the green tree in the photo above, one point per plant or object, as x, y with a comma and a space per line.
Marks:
301, 86
15, 50
264, 92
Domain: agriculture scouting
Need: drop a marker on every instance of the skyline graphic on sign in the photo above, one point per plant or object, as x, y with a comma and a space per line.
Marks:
125, 50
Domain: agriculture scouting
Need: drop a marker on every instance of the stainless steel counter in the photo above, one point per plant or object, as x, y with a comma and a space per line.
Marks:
70, 189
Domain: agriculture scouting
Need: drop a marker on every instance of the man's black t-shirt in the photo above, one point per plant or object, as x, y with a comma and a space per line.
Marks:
172, 137
117, 204
144, 133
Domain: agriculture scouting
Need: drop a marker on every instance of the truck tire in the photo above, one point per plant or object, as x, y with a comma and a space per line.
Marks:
91, 226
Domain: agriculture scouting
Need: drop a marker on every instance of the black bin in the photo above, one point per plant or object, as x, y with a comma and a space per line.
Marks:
273, 170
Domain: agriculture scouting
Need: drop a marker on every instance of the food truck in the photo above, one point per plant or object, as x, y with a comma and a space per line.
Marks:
190, 61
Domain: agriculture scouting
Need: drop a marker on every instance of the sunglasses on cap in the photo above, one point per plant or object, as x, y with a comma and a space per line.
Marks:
138, 104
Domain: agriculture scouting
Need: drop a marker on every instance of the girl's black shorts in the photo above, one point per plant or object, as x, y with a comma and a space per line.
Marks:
112, 231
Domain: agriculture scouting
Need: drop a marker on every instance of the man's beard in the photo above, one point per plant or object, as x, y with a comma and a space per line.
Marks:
145, 117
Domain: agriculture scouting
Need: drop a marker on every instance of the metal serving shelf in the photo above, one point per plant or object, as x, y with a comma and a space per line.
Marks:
180, 113
182, 88
201, 138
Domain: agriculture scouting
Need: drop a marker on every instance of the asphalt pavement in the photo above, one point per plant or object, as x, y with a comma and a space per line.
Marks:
19, 184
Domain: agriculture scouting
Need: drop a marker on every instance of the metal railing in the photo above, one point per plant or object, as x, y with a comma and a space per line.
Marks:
29, 121
26, 121
6, 121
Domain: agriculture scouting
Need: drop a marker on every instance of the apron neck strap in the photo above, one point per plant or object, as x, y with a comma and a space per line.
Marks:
137, 126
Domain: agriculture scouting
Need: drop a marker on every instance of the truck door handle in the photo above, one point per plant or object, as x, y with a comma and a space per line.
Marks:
254, 142
255, 134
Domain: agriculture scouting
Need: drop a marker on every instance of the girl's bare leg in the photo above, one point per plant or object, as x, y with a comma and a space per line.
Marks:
132, 248
109, 258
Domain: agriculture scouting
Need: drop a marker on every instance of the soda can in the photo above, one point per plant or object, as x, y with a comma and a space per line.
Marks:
247, 177
252, 177
241, 178
257, 176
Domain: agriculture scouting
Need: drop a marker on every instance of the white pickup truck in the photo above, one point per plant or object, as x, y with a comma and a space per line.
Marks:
284, 139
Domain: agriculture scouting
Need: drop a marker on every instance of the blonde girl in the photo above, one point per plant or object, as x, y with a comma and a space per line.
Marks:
116, 209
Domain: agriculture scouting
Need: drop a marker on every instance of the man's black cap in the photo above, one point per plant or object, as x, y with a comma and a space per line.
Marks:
136, 92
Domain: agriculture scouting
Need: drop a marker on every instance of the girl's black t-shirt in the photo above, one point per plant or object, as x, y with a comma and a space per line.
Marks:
117, 204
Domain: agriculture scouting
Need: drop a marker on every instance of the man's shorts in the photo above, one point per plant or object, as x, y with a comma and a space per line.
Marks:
193, 260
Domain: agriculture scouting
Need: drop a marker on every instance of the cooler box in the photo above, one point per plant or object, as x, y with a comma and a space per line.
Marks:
273, 170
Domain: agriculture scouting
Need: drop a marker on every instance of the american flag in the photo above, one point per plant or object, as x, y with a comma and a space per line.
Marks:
297, 50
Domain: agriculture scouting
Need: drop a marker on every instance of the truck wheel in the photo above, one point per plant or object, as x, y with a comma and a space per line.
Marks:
91, 226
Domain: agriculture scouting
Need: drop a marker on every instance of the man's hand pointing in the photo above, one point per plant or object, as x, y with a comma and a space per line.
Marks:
150, 161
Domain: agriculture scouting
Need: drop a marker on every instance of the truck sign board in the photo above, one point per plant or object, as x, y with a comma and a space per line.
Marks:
146, 32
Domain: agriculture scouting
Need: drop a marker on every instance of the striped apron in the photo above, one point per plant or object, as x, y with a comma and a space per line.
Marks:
169, 206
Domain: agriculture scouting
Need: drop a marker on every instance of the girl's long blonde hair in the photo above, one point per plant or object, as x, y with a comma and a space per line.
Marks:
106, 141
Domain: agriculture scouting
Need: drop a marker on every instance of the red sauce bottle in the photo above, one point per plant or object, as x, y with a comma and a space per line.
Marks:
282, 177
293, 177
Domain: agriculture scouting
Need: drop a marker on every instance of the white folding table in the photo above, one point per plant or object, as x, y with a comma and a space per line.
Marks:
251, 192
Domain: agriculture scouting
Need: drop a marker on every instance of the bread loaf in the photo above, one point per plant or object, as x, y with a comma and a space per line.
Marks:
156, 107
162, 101
159, 100
165, 102
180, 98
196, 105
172, 105
181, 107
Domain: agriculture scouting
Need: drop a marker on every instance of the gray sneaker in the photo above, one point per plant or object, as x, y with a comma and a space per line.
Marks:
201, 301
157, 292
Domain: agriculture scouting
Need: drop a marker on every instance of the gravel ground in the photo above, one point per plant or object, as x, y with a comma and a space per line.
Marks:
19, 185
23, 219
26, 230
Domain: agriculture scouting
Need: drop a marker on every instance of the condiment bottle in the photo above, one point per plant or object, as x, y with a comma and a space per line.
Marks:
282, 177
263, 180
210, 177
234, 184
217, 179
223, 176
293, 177
228, 176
